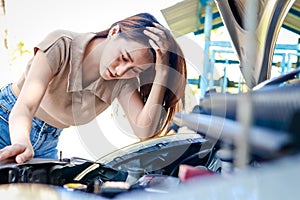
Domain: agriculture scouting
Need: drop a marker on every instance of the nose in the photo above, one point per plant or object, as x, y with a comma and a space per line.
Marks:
121, 70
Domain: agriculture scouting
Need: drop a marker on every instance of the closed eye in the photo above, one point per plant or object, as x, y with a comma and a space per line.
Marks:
124, 58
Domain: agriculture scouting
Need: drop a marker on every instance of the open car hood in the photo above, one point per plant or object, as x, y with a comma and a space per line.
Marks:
270, 17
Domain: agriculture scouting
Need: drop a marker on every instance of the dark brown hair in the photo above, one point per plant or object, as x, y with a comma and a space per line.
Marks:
132, 28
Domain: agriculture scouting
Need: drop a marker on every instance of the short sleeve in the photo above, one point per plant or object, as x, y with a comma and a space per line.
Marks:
56, 46
127, 86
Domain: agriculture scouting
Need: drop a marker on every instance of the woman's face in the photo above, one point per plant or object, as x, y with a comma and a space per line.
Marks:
124, 59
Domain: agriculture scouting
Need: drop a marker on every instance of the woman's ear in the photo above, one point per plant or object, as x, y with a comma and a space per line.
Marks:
113, 31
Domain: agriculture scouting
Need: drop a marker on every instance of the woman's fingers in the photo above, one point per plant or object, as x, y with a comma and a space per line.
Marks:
153, 45
157, 36
154, 33
156, 42
10, 151
25, 156
22, 152
160, 26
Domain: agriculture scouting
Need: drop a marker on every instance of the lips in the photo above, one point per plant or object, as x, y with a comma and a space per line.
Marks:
110, 73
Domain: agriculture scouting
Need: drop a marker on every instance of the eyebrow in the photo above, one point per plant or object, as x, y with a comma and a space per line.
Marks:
130, 58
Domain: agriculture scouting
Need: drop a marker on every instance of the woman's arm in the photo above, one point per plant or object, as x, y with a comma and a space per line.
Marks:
144, 119
28, 101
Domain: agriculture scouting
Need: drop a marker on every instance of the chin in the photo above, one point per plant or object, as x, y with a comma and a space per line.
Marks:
104, 77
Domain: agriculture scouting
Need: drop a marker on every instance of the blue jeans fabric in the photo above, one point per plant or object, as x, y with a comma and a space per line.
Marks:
43, 137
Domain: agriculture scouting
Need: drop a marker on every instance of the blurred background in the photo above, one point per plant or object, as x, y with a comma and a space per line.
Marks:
24, 23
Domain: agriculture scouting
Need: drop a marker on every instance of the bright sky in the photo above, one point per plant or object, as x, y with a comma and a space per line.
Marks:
30, 20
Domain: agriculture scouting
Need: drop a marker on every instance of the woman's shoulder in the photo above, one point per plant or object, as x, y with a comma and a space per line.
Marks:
66, 37
62, 39
59, 33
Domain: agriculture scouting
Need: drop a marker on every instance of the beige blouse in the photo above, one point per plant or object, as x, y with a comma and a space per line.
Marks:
66, 102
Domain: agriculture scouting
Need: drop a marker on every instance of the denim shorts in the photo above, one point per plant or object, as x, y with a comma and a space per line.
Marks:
43, 137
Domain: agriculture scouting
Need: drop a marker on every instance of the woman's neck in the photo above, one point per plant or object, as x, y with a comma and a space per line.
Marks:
90, 62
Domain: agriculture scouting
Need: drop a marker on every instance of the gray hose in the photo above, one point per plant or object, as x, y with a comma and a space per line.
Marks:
273, 106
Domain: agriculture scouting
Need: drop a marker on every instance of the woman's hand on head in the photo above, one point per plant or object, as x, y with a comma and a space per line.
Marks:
158, 39
21, 151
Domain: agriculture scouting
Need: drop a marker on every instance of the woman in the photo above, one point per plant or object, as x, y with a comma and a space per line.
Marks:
73, 77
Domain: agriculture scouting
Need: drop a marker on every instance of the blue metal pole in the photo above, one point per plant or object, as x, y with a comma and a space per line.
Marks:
282, 65
224, 86
298, 57
289, 64
212, 66
207, 32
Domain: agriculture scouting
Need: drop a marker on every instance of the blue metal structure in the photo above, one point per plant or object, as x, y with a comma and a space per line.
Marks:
207, 31
286, 51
